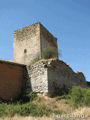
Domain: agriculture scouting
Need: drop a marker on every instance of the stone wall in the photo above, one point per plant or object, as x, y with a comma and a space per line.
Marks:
12, 80
31, 41
47, 73
61, 75
26, 44
88, 83
48, 41
38, 77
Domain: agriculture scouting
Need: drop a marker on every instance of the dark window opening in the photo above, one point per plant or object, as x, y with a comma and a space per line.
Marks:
25, 50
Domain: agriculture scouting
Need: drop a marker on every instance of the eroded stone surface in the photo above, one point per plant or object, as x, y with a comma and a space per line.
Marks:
44, 74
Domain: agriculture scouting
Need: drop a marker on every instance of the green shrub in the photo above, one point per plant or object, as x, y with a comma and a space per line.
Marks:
32, 96
23, 110
48, 53
27, 98
80, 96
77, 96
35, 60
3, 110
87, 97
63, 97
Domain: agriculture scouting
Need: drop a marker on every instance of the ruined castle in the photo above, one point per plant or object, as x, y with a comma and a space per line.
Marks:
30, 43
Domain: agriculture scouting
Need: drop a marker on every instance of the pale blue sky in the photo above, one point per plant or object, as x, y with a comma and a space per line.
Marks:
68, 20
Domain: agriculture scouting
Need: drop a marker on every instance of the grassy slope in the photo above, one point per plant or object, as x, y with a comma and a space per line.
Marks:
58, 106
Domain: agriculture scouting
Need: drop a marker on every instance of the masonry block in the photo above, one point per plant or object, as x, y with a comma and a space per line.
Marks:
31, 41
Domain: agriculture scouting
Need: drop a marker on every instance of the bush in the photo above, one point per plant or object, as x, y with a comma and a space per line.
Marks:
2, 110
36, 60
32, 96
87, 97
27, 98
80, 96
63, 97
23, 110
77, 96
48, 53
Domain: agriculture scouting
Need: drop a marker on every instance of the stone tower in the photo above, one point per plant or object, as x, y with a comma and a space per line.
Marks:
32, 41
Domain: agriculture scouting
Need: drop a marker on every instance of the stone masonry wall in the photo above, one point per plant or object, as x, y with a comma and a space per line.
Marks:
46, 73
26, 44
48, 41
38, 77
60, 74
31, 41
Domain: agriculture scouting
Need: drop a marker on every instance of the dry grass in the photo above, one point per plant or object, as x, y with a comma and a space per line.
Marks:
55, 105
26, 118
